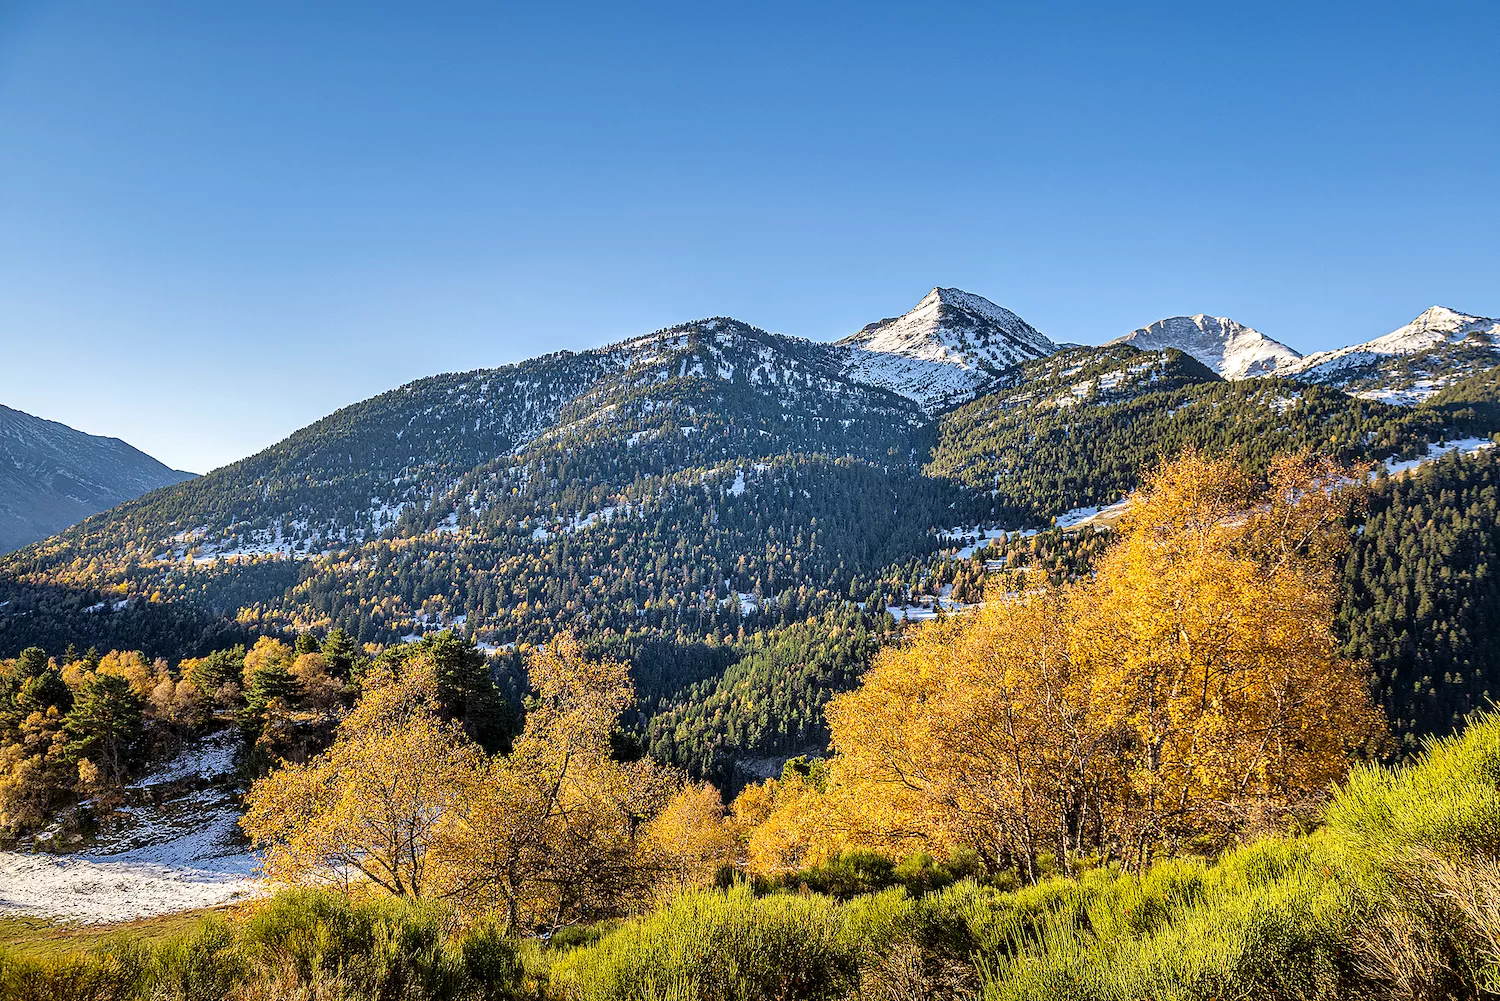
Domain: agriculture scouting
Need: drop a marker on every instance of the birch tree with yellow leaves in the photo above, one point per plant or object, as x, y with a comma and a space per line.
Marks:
1207, 631
552, 833
555, 832
372, 805
1189, 687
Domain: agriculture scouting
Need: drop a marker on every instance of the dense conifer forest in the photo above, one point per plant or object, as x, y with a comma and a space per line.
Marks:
733, 514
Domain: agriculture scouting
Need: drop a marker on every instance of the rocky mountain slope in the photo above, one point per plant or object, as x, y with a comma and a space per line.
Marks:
1231, 349
1411, 363
731, 510
52, 476
700, 478
945, 350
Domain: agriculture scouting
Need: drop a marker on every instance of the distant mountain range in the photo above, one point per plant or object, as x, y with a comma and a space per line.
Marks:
52, 476
1408, 365
684, 491
521, 456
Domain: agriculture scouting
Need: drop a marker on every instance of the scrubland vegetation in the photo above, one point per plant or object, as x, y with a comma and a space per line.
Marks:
1160, 780
1395, 894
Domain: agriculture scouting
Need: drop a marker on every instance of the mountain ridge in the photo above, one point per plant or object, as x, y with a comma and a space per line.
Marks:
1230, 348
52, 476
769, 457
1412, 362
944, 349
676, 494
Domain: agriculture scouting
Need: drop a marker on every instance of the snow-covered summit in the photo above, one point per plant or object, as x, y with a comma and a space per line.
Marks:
1231, 349
943, 350
1434, 327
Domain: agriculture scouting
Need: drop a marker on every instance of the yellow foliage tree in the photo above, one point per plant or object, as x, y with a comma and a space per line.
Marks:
691, 840
552, 833
265, 654
1207, 632
374, 802
1192, 683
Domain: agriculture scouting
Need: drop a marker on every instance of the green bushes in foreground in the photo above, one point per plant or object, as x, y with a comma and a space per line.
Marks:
308, 945
1397, 895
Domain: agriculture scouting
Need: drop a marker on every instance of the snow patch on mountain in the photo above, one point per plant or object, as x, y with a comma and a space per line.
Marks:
1231, 349
1435, 451
949, 346
1434, 327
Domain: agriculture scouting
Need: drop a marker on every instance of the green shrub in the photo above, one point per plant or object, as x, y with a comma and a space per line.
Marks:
714, 945
492, 963
68, 977
299, 944
1397, 895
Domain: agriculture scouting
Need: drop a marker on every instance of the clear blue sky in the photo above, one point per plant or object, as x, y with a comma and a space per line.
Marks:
220, 221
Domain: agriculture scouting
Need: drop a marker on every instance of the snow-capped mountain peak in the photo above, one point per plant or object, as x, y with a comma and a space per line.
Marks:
1231, 349
1433, 327
950, 344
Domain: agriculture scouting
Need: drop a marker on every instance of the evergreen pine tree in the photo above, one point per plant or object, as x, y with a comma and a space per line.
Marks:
105, 723
467, 692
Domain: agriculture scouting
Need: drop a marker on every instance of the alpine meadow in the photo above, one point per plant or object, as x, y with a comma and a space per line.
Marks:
1047, 642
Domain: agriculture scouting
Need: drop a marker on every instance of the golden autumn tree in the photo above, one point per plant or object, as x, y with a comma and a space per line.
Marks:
1207, 631
1191, 683
691, 840
552, 832
374, 802
793, 821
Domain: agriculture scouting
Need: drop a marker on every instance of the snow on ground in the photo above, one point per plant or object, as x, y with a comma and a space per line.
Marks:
1418, 392
197, 869
976, 539
1464, 446
928, 608
173, 853
1097, 517
210, 758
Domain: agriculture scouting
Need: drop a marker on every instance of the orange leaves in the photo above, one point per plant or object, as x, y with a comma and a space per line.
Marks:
1191, 682
1208, 631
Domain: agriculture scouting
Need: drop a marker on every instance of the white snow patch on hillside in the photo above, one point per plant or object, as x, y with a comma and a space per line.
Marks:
1418, 392
928, 607
82, 889
1463, 446
975, 539
210, 758
1081, 517
180, 853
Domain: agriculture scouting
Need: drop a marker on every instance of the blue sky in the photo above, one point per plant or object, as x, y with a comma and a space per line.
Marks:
219, 222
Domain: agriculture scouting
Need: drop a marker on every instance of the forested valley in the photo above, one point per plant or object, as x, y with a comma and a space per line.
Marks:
706, 665
1166, 777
